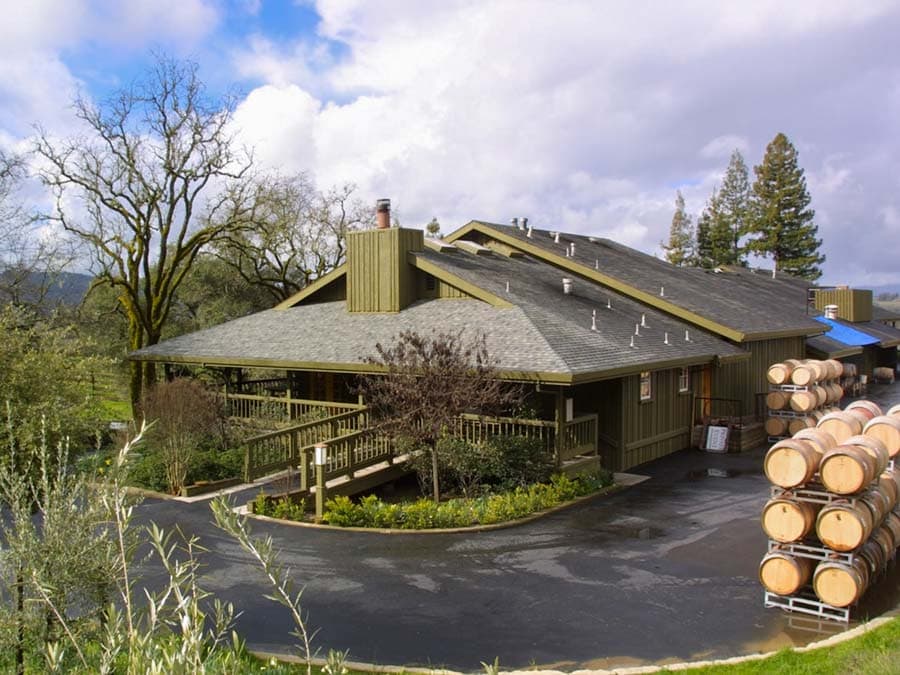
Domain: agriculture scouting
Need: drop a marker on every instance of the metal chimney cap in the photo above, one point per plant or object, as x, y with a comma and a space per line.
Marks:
382, 204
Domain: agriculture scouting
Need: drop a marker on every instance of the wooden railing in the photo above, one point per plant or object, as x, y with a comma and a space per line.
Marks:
282, 409
579, 437
476, 429
279, 449
351, 448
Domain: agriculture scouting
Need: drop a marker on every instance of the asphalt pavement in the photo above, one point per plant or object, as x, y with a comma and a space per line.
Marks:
663, 571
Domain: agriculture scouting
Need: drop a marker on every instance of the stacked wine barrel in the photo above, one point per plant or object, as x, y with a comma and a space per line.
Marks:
800, 394
833, 519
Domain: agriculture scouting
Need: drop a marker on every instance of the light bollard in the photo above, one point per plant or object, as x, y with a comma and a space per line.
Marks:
321, 459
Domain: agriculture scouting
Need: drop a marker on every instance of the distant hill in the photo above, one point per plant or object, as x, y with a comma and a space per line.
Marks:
68, 288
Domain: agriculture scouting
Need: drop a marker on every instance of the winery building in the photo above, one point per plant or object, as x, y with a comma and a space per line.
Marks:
621, 353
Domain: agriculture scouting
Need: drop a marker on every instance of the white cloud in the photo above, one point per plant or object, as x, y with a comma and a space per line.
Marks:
721, 147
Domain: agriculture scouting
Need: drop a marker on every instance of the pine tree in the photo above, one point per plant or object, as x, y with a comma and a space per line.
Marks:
782, 220
734, 200
714, 236
679, 250
433, 229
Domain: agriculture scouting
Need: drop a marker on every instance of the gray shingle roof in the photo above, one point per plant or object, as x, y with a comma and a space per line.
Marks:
751, 303
544, 332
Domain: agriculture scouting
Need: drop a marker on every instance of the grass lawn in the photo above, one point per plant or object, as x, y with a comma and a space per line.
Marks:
876, 652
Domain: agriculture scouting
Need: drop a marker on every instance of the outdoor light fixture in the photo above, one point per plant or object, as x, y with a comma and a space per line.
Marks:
321, 455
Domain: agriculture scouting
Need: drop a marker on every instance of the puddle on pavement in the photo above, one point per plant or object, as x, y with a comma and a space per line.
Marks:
714, 473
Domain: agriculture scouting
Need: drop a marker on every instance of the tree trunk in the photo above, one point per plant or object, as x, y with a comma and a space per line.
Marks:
434, 475
20, 622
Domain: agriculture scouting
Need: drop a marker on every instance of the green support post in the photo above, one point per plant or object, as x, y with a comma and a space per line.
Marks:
321, 460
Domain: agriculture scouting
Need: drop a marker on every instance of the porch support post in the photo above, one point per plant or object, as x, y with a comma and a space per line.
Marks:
560, 423
321, 459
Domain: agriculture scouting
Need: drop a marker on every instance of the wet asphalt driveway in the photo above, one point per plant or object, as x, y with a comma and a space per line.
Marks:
663, 571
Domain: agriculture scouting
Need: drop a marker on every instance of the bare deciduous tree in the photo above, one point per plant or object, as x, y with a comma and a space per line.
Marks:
298, 235
157, 178
429, 381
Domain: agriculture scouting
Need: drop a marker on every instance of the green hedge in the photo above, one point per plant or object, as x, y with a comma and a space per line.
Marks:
424, 514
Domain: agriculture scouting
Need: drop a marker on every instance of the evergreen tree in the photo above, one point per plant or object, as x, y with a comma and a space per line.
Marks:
782, 220
680, 249
714, 237
433, 229
734, 200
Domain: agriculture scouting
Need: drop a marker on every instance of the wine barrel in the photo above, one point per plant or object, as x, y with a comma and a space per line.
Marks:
798, 424
885, 538
839, 584
847, 469
791, 462
850, 370
776, 426
821, 440
843, 526
784, 519
876, 449
840, 425
892, 522
894, 411
837, 368
805, 374
867, 408
779, 373
887, 483
784, 574
777, 400
804, 401
834, 393
886, 428
873, 554
877, 502
883, 374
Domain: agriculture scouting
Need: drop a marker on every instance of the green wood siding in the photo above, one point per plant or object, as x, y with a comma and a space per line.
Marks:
379, 279
853, 304
438, 288
745, 380
655, 428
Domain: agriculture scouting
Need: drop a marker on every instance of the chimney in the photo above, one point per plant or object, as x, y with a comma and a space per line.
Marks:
383, 214
831, 311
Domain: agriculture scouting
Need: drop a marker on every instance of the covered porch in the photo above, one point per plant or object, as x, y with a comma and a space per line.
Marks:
299, 410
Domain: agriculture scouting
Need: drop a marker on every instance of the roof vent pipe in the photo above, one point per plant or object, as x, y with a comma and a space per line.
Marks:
524, 223
608, 303
567, 285
507, 287
594, 320
597, 263
528, 233
831, 311
773, 272
643, 320
632, 342
572, 250
383, 214
637, 329
662, 291
687, 336
666, 338
514, 222
556, 237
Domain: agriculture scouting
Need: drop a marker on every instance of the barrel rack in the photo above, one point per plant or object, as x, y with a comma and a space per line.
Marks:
805, 602
789, 414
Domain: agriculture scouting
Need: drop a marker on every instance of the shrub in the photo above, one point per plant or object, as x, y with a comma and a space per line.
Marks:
186, 416
519, 460
426, 514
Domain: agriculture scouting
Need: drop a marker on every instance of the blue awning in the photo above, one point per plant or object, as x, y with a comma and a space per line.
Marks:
849, 336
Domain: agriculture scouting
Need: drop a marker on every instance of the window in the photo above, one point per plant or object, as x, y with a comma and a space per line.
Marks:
684, 380
646, 385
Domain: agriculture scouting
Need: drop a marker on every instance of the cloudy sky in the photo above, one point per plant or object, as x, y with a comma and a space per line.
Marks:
583, 116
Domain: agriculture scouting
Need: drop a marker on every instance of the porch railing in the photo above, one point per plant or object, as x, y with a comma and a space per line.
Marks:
284, 409
350, 449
